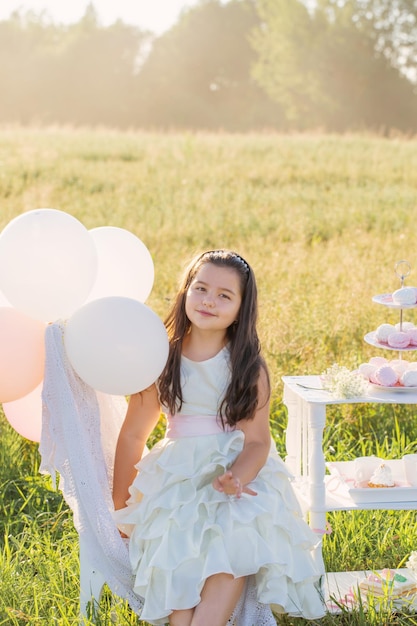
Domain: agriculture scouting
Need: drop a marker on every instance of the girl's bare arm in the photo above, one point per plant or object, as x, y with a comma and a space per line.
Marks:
255, 450
142, 415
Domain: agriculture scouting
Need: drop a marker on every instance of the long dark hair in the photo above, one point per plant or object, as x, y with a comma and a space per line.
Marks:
241, 398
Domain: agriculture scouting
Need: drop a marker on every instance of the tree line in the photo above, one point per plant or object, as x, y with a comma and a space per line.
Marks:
239, 65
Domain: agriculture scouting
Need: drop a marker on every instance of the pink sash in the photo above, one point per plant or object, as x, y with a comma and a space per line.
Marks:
179, 426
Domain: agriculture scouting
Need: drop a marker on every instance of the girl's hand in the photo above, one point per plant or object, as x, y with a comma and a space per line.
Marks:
231, 486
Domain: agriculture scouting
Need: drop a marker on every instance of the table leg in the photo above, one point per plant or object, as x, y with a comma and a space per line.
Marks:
316, 472
293, 432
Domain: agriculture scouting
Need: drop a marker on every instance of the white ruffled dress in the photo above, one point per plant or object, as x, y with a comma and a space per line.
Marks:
182, 530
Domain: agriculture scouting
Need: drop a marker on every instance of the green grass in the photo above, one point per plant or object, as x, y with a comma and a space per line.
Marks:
322, 219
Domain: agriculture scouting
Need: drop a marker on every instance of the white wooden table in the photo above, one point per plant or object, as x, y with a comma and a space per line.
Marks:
317, 492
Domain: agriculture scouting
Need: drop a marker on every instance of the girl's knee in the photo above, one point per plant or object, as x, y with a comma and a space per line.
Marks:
181, 618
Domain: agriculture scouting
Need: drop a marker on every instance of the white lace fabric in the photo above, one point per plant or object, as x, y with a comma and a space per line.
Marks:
79, 434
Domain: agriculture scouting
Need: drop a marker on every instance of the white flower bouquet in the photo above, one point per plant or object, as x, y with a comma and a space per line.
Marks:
342, 382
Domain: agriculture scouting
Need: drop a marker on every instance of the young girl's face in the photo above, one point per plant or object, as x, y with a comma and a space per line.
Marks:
214, 297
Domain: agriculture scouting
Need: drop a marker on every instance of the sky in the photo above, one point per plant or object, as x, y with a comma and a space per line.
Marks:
155, 15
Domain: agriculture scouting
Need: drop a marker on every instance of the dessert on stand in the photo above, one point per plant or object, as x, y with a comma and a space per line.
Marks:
401, 337
367, 482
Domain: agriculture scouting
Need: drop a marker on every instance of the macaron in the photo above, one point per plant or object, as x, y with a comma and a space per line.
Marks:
404, 326
399, 340
413, 336
409, 378
399, 366
404, 295
378, 360
367, 370
383, 332
386, 376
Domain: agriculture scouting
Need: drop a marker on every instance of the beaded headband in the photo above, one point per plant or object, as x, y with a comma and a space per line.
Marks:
232, 255
241, 260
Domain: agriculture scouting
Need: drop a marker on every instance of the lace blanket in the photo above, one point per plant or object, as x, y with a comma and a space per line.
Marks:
79, 433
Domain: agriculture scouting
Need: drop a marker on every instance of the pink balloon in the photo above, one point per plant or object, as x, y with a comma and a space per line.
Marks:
22, 354
25, 414
3, 300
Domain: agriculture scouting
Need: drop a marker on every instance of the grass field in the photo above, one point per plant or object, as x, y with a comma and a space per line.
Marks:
322, 219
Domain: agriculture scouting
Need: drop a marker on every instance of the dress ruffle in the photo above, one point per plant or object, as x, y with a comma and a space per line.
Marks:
182, 530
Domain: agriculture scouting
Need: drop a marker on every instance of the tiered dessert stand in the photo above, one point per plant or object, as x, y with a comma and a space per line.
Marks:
402, 269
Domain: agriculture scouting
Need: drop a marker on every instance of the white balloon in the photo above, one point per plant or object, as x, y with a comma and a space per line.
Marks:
116, 345
48, 264
125, 266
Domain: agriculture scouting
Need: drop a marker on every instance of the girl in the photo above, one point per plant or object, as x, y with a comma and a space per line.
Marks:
211, 510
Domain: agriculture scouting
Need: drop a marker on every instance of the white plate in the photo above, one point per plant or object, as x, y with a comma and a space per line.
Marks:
371, 339
399, 493
402, 492
396, 388
386, 300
